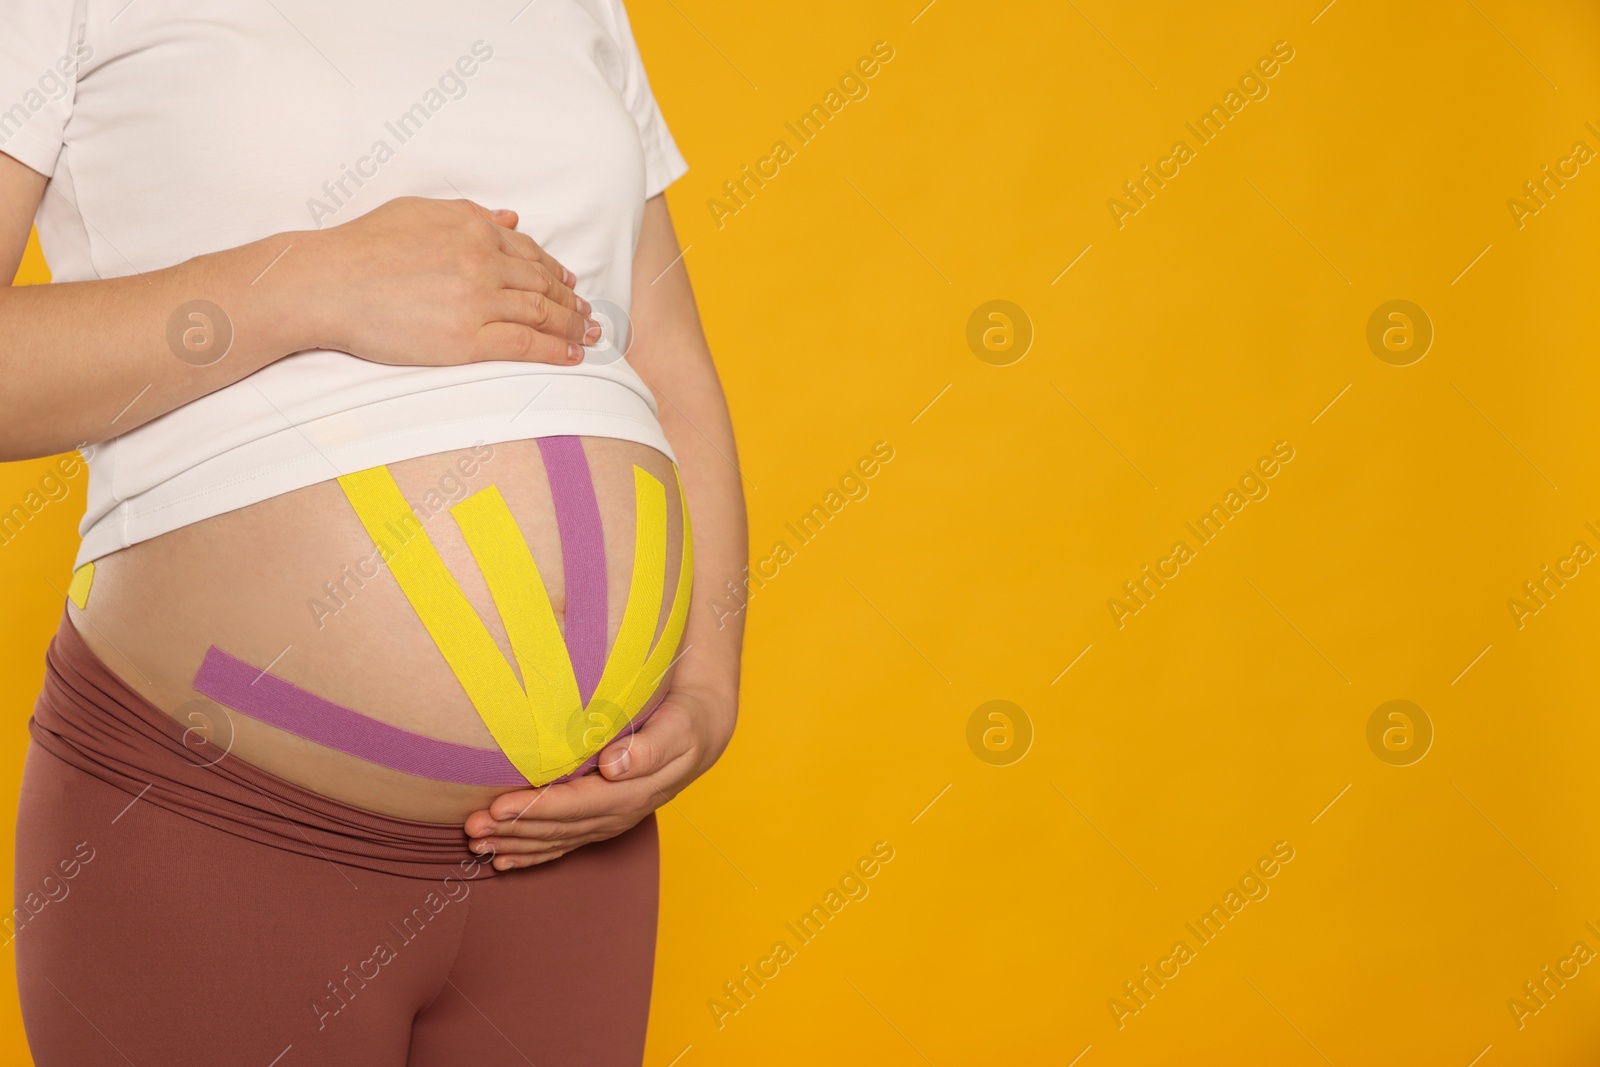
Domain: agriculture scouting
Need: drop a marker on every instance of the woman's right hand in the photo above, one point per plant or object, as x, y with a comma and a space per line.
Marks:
414, 282
441, 282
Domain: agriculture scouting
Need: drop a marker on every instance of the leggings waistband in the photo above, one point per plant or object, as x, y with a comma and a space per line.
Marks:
89, 718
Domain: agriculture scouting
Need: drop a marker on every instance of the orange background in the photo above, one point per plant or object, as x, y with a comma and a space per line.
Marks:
1230, 712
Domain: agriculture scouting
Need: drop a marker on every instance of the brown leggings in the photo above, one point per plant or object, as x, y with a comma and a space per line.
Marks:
174, 910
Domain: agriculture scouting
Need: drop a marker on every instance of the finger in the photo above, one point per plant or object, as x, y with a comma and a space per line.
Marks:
533, 861
643, 798
511, 854
475, 208
537, 830
523, 344
525, 247
518, 243
512, 860
509, 806
530, 277
507, 863
663, 737
504, 808
541, 313
500, 217
518, 846
571, 802
618, 760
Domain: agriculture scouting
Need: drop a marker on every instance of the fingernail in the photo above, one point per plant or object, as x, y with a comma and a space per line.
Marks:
571, 278
575, 353
584, 307
592, 334
624, 762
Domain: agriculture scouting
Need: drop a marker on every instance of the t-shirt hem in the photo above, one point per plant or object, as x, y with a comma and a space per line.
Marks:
128, 523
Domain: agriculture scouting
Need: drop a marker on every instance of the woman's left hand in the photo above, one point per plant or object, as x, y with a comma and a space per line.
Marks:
637, 774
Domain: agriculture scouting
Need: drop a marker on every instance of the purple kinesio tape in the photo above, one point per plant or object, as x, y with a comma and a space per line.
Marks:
583, 558
235, 684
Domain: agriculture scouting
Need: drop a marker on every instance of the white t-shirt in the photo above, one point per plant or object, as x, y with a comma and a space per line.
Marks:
172, 128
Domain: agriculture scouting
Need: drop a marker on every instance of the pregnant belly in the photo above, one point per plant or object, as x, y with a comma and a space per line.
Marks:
317, 591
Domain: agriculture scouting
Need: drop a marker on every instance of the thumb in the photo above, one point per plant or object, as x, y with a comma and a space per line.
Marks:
628, 757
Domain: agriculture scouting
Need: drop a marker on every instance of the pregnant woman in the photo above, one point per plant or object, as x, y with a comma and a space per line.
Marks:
383, 644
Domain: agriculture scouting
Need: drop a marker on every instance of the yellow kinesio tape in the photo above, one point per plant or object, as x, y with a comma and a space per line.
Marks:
643, 610
631, 677
82, 579
448, 616
549, 684
530, 720
655, 667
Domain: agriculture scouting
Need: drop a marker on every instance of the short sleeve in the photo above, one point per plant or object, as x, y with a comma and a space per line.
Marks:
664, 164
42, 49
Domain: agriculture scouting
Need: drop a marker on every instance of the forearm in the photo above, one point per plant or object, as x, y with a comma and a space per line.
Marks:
695, 418
81, 362
670, 352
